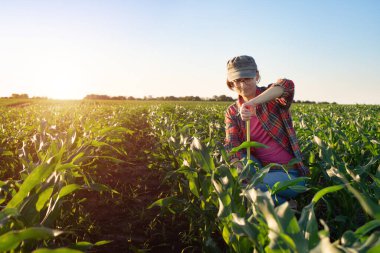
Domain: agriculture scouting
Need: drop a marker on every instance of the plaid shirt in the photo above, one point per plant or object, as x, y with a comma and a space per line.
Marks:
275, 119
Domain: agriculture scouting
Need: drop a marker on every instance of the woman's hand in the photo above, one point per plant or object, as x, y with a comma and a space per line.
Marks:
247, 110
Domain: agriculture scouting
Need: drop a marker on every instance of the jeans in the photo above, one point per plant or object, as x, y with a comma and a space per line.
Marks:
274, 176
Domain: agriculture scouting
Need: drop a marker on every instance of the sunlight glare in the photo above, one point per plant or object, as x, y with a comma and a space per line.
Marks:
63, 78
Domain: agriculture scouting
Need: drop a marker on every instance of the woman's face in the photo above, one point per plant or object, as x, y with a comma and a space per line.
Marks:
245, 87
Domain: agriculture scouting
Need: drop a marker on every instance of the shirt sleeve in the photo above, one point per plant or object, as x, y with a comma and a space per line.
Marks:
286, 99
232, 133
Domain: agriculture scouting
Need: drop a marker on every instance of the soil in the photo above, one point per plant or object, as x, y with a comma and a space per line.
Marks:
19, 104
125, 219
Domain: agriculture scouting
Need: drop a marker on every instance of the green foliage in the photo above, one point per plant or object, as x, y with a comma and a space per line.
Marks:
48, 153
11, 239
340, 145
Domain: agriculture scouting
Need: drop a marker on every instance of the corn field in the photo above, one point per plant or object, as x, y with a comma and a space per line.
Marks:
55, 156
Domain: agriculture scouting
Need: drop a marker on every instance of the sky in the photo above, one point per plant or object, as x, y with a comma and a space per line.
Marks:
71, 48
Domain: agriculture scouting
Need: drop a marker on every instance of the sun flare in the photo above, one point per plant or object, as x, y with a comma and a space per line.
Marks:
60, 80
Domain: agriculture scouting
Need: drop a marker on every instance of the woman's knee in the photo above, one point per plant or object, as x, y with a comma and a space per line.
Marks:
281, 176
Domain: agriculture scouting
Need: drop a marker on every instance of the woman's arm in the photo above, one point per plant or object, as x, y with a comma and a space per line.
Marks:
282, 91
268, 95
232, 138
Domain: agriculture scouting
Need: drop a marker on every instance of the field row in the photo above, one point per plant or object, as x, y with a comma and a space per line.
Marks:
49, 153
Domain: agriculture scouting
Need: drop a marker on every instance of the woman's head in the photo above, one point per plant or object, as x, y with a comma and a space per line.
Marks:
241, 67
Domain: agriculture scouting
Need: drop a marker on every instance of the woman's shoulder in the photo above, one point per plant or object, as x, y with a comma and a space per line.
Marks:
284, 82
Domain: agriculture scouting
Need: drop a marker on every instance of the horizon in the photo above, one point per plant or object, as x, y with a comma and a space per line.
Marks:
67, 50
162, 98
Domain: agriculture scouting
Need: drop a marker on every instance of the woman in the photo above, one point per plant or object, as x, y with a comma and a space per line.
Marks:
267, 109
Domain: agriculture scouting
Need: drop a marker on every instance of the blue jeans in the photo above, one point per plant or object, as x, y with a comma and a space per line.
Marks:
274, 176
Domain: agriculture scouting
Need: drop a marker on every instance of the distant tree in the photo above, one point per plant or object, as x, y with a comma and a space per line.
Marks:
148, 97
119, 98
40, 98
313, 102
167, 98
191, 98
173, 98
15, 95
100, 97
221, 98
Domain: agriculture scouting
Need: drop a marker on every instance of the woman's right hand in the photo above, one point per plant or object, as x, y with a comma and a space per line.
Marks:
246, 111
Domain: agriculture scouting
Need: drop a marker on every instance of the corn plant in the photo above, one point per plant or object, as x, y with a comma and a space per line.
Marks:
247, 218
52, 154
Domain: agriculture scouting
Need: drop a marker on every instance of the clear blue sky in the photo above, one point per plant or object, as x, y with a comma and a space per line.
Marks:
68, 49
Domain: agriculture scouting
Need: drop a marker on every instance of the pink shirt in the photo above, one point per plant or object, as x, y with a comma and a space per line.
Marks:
275, 153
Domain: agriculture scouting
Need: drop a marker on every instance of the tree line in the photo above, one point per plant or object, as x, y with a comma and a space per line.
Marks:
165, 98
22, 96
185, 98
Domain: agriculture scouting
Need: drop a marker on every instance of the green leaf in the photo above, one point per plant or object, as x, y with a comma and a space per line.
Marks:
202, 156
12, 239
68, 189
192, 177
258, 176
98, 144
324, 191
367, 204
374, 249
366, 228
110, 158
287, 219
43, 198
283, 185
7, 153
226, 234
100, 187
223, 183
8, 213
87, 245
242, 227
38, 175
79, 155
164, 203
66, 166
298, 188
309, 226
224, 200
59, 250
99, 243
186, 127
288, 241
247, 144
193, 187
292, 162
